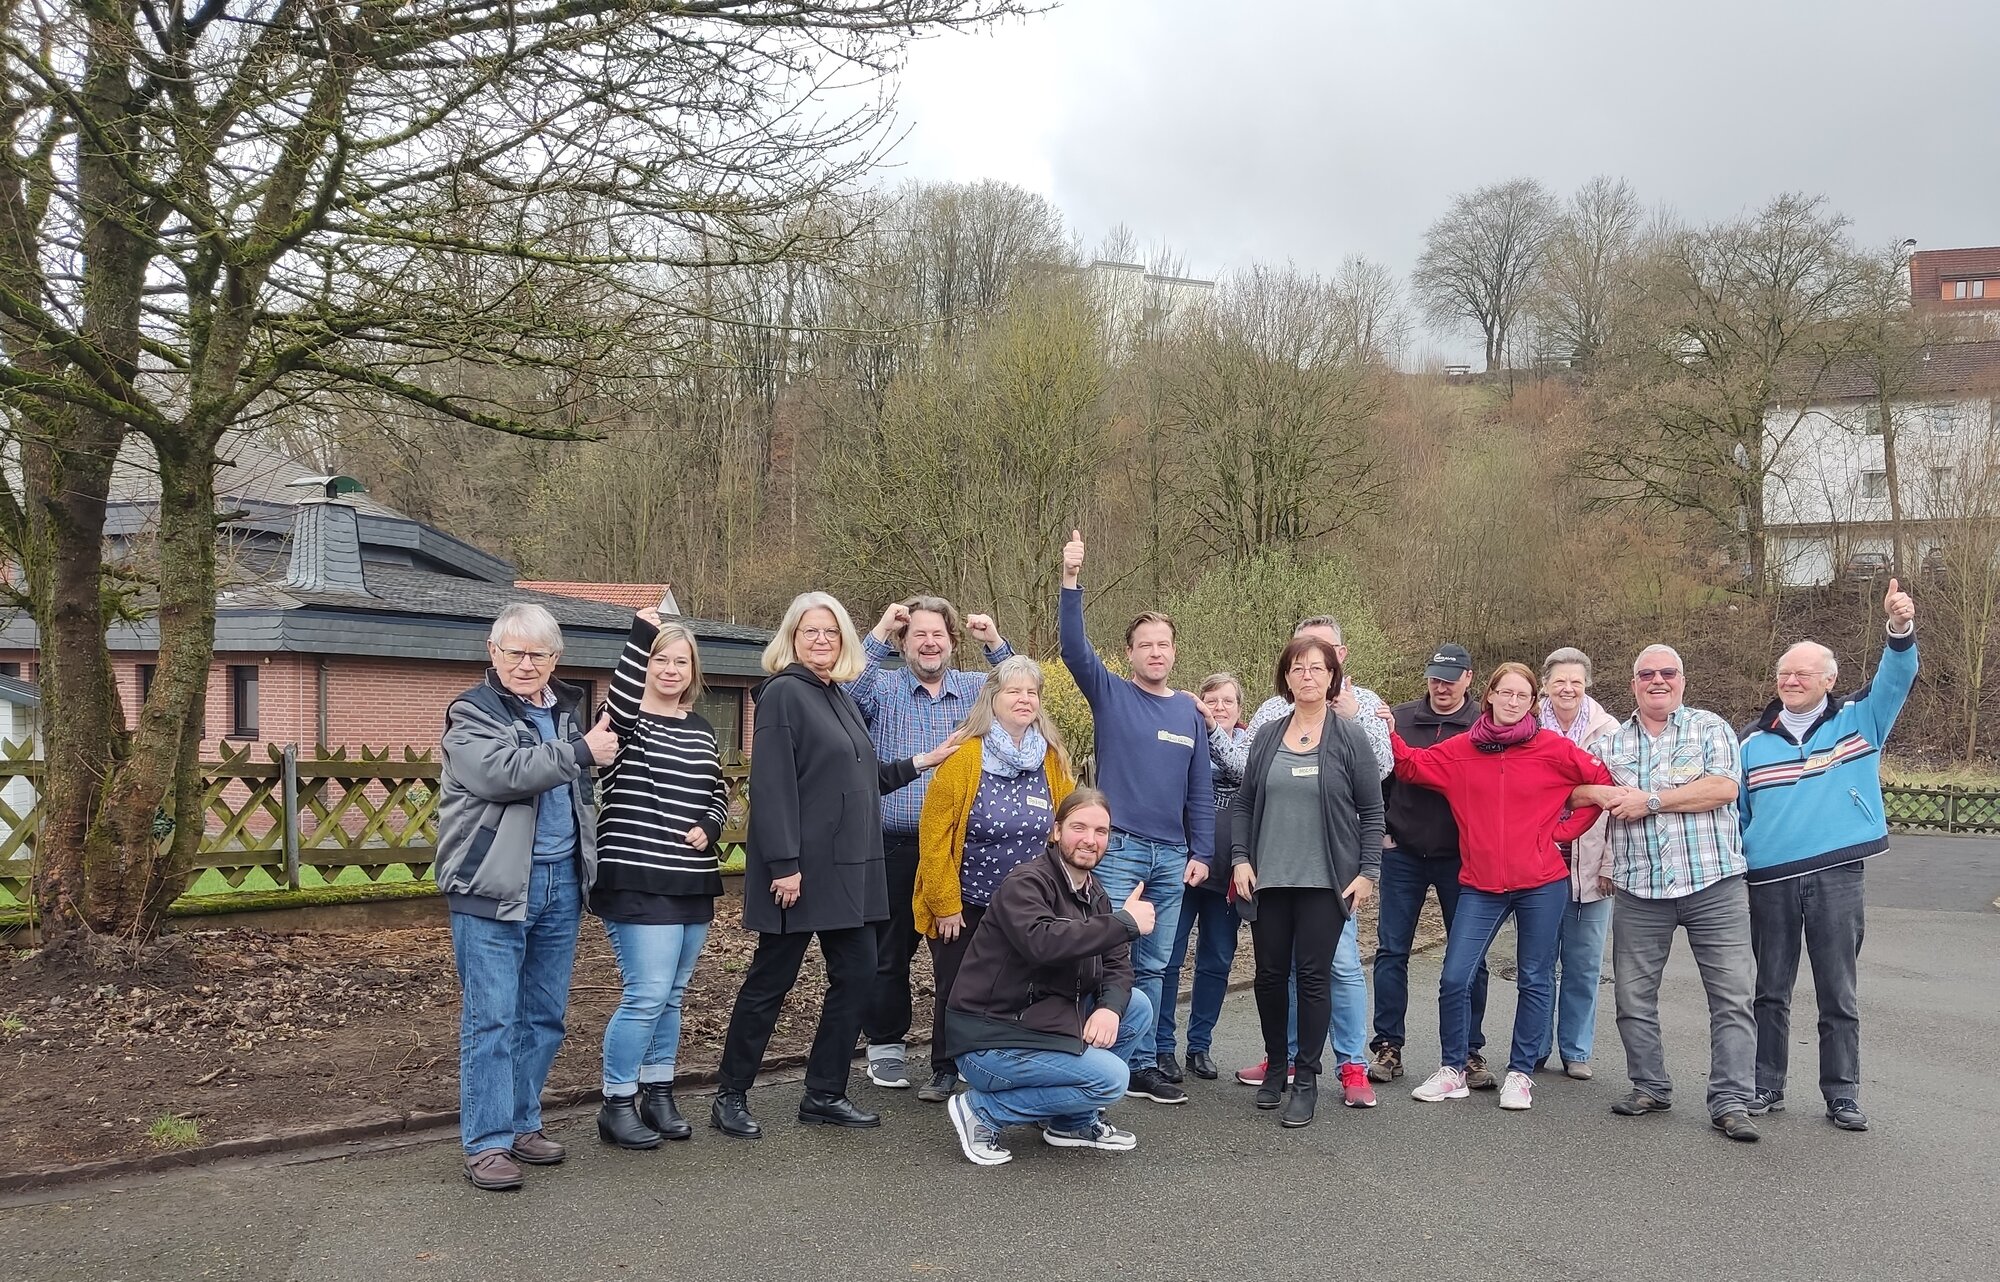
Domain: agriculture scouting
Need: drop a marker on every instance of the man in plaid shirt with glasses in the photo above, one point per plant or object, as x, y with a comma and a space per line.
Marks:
1677, 862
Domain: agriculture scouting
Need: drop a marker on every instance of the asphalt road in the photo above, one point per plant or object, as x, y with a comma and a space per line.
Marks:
1215, 1190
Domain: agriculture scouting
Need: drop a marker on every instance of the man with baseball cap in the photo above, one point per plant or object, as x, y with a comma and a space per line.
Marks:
1420, 853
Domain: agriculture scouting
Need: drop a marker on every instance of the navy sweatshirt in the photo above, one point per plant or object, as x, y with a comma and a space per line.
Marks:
1152, 750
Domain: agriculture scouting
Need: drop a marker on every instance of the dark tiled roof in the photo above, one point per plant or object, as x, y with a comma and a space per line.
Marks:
16, 691
400, 590
1935, 370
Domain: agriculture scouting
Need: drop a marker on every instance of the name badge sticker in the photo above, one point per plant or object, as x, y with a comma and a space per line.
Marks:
1304, 772
1168, 736
1038, 803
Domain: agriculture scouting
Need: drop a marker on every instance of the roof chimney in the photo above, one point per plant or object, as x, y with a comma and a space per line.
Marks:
326, 538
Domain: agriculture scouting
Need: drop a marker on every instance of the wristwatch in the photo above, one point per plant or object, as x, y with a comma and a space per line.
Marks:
1652, 803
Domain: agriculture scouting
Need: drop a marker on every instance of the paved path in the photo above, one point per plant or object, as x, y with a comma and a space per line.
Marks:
1215, 1191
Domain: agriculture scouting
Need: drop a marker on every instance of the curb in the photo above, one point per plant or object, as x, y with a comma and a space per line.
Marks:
304, 1138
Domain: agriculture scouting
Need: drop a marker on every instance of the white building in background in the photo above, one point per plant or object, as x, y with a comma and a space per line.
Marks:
20, 724
1826, 490
1141, 305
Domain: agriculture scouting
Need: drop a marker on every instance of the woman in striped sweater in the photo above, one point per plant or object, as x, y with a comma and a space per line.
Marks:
659, 818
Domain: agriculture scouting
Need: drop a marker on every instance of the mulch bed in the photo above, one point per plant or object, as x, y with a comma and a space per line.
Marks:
249, 1032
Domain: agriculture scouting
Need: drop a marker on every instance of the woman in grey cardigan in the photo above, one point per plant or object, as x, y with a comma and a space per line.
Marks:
1306, 850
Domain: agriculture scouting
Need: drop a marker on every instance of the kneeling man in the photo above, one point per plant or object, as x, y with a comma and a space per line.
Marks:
1043, 1017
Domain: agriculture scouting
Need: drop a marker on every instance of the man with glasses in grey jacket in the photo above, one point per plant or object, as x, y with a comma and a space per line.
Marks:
516, 854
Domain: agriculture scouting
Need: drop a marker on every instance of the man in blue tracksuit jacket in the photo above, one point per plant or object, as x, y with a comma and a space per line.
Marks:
1811, 809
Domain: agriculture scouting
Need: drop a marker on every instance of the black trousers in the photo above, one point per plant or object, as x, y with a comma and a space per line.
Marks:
946, 957
774, 969
886, 1020
1295, 931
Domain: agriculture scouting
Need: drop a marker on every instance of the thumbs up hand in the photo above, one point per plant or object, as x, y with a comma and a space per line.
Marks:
1072, 562
1902, 611
1140, 911
603, 740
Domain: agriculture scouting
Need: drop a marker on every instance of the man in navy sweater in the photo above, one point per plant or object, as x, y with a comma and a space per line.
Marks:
1152, 762
1812, 812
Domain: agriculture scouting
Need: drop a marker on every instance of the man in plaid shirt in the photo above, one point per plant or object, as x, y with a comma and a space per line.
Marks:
911, 711
1677, 862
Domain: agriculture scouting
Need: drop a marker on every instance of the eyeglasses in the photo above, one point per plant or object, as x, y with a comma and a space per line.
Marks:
1787, 674
820, 634
1314, 671
515, 658
1664, 674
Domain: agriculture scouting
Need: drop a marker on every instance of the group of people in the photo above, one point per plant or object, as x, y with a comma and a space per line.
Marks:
920, 805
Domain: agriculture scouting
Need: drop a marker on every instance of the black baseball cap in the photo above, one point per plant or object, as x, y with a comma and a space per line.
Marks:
1449, 662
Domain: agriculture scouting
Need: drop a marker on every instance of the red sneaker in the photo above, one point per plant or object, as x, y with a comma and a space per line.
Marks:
1355, 1092
1254, 1075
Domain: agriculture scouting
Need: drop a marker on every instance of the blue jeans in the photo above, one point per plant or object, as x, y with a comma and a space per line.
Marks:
1537, 917
513, 979
1014, 1087
1580, 965
1350, 1004
1214, 954
1127, 861
644, 1034
1405, 880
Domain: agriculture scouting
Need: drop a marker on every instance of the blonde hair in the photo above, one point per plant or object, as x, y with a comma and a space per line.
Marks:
980, 719
781, 653
669, 633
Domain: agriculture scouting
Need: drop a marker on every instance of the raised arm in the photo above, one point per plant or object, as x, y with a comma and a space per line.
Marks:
878, 647
628, 679
1091, 675
1882, 701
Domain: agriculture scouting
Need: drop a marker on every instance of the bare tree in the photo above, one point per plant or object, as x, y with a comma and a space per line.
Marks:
1733, 320
1586, 268
1480, 260
1368, 309
207, 210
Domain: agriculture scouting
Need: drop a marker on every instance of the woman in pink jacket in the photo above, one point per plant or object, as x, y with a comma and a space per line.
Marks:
1569, 711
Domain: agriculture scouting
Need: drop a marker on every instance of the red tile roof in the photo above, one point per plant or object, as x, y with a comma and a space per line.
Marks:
630, 595
1930, 268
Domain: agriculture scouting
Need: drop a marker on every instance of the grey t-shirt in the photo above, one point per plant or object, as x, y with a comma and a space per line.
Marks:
1291, 840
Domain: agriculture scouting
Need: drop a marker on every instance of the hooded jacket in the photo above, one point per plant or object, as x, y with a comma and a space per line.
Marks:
495, 766
1045, 955
1818, 804
815, 808
1419, 820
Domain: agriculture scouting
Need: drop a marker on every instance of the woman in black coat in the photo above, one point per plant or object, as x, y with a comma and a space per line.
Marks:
814, 860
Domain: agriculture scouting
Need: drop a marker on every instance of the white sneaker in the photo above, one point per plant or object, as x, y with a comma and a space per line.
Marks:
1518, 1092
1099, 1134
1446, 1083
979, 1142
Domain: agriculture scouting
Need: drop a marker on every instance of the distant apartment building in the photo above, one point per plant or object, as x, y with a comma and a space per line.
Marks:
1961, 282
1827, 508
1141, 305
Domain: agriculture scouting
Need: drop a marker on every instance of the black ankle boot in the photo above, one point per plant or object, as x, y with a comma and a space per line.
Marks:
1269, 1094
819, 1108
658, 1110
731, 1115
1303, 1099
618, 1123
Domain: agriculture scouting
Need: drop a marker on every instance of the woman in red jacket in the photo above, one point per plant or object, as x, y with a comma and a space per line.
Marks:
1509, 783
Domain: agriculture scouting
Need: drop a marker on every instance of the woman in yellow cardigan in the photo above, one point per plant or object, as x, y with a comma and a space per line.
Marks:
990, 807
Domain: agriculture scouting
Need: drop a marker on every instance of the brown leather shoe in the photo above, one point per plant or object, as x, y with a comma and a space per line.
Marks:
493, 1169
538, 1150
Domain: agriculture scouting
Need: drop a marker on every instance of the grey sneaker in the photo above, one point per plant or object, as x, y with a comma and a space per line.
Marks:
1847, 1115
1737, 1126
979, 1142
889, 1068
1477, 1075
939, 1088
1099, 1134
1763, 1102
1638, 1104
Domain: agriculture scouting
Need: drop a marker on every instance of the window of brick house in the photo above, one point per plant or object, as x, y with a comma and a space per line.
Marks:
243, 701
10, 670
722, 707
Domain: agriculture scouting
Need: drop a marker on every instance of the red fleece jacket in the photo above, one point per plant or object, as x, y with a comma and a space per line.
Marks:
1510, 805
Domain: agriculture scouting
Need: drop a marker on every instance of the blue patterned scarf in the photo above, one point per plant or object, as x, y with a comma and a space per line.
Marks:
1000, 755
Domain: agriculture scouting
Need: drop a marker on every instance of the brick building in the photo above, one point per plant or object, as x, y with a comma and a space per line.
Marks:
1962, 282
345, 623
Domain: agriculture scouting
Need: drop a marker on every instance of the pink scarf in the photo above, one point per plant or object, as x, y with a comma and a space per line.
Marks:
1489, 735
1579, 729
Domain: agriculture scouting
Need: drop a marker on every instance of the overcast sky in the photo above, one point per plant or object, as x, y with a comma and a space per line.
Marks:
1312, 129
